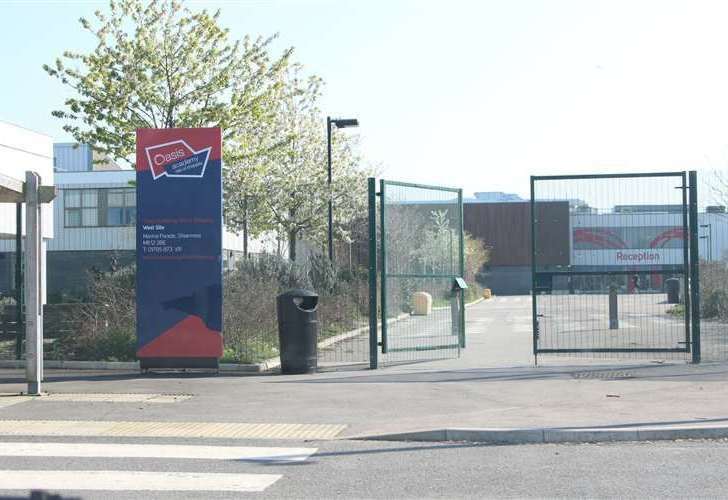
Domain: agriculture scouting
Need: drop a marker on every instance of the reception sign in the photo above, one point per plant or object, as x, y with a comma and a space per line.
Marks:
646, 245
179, 247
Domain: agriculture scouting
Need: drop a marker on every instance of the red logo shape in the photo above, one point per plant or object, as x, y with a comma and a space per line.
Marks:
177, 159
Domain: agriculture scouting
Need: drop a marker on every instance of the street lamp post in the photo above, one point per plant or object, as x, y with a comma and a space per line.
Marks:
339, 123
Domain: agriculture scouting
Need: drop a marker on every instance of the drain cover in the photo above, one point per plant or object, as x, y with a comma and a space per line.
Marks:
604, 375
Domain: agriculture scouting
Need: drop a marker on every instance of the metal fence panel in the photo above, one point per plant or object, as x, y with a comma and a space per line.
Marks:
344, 308
628, 244
420, 256
712, 248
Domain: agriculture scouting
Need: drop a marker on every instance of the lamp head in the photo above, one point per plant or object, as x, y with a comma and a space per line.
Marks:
345, 122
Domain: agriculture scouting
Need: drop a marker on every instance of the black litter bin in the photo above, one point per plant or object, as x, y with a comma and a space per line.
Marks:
298, 331
673, 290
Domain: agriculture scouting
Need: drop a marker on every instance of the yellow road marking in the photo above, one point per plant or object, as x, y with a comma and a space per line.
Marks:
231, 430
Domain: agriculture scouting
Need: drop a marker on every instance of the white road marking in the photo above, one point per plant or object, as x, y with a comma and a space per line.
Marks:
523, 328
112, 450
482, 319
511, 298
133, 480
522, 318
12, 399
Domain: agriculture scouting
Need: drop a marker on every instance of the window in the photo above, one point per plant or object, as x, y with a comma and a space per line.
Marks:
81, 207
99, 207
121, 209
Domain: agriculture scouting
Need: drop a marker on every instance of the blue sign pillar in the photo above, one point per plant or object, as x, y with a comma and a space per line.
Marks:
179, 247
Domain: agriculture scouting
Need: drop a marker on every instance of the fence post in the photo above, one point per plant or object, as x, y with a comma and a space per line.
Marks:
373, 341
461, 266
534, 309
383, 256
33, 285
685, 189
18, 280
694, 267
613, 308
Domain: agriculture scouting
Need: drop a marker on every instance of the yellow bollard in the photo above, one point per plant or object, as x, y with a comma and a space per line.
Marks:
421, 304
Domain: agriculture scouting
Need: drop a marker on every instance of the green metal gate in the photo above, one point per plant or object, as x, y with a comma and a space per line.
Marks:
416, 265
615, 265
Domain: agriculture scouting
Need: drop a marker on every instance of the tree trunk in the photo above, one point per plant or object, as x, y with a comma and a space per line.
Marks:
292, 236
292, 239
245, 226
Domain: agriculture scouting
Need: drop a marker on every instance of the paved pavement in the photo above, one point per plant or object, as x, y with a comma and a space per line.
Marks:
494, 384
582, 321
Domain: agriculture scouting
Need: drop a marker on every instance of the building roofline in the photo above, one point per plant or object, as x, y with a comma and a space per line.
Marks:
26, 128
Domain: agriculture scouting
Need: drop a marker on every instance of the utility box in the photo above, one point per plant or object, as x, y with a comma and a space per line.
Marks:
457, 304
672, 285
298, 330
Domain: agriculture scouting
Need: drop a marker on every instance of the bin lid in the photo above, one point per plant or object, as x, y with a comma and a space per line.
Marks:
298, 292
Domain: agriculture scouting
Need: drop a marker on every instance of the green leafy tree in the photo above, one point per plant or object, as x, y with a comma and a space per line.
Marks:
477, 254
287, 179
438, 249
157, 64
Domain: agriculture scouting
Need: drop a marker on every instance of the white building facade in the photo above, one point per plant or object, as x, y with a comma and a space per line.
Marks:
93, 229
22, 150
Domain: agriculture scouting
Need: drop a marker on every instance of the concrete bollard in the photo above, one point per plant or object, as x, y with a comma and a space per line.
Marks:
613, 309
421, 304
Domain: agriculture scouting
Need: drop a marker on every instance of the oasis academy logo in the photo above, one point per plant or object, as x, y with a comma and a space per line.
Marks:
177, 159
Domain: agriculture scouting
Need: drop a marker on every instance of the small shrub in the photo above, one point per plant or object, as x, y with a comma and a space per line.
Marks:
477, 255
677, 310
714, 304
714, 290
250, 323
105, 329
250, 330
323, 275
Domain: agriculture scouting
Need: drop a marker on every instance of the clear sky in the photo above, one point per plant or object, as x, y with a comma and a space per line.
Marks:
473, 94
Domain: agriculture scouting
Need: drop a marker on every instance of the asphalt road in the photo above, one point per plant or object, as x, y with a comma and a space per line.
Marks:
356, 469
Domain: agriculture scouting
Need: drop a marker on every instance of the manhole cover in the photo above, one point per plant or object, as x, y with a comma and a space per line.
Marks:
604, 375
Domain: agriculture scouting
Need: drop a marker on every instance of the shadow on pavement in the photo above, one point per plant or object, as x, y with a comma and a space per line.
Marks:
640, 424
75, 376
400, 449
595, 372
608, 372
